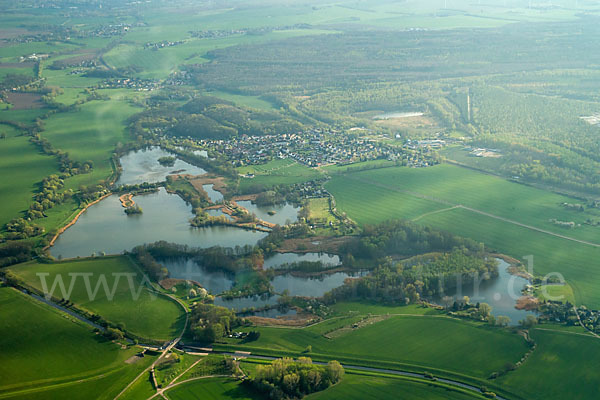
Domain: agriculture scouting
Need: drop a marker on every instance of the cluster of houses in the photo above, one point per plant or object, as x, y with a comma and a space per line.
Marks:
483, 152
162, 45
313, 148
592, 119
33, 57
130, 83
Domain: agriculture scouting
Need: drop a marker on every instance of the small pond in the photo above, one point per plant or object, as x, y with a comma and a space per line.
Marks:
215, 282
218, 213
328, 260
501, 293
309, 287
277, 214
241, 303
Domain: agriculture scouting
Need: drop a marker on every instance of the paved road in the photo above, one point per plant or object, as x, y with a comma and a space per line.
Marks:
63, 309
165, 351
379, 370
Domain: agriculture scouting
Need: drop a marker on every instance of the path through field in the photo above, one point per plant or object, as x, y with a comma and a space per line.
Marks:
474, 210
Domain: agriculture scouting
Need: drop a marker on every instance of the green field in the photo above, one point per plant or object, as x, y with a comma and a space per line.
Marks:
358, 387
277, 172
91, 133
428, 196
562, 366
409, 342
30, 359
149, 317
23, 168
158, 64
211, 389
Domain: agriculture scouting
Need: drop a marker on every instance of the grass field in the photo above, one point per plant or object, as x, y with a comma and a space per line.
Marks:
23, 168
212, 389
90, 134
407, 341
319, 210
277, 172
428, 196
355, 386
562, 366
30, 359
150, 317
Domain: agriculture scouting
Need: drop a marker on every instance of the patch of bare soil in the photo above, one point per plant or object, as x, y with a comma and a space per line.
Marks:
316, 244
298, 320
24, 101
133, 359
361, 324
417, 122
17, 65
528, 303
217, 181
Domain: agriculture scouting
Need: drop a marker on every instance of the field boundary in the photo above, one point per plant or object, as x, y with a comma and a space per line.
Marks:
471, 209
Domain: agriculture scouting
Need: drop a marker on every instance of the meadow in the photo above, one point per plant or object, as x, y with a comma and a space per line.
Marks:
90, 133
414, 345
428, 197
562, 366
23, 168
277, 172
152, 317
31, 360
355, 386
212, 389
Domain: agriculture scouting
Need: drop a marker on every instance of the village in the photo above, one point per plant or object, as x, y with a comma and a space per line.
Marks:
317, 147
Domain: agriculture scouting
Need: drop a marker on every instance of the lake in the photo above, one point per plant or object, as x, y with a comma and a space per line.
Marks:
283, 212
501, 293
328, 260
104, 227
142, 166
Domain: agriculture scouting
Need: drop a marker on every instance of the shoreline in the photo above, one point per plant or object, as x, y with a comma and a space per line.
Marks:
74, 220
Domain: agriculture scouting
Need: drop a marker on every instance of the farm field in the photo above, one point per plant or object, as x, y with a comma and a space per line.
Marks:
152, 317
450, 185
542, 376
399, 192
211, 389
90, 134
415, 344
30, 360
23, 168
354, 386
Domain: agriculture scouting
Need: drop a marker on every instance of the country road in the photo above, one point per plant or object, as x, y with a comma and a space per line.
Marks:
372, 369
165, 351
